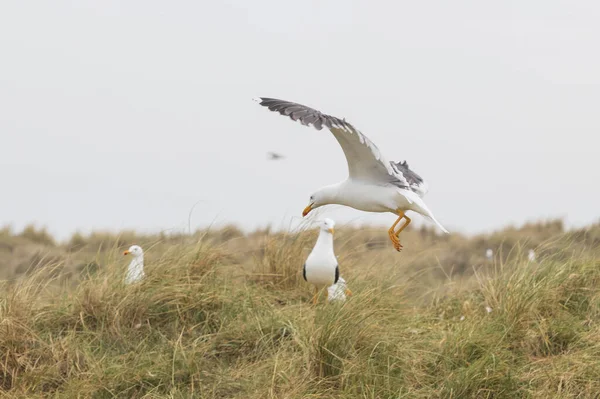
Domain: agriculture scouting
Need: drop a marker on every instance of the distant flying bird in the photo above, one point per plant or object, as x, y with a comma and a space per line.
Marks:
531, 255
321, 267
135, 270
273, 156
374, 184
338, 291
489, 253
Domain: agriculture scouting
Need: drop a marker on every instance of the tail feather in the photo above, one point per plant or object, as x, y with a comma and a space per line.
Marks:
418, 205
438, 224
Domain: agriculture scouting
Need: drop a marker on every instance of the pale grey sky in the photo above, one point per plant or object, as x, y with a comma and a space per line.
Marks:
123, 114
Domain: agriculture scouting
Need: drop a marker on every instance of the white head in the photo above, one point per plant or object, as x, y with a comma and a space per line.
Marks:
135, 270
324, 196
489, 253
135, 251
327, 226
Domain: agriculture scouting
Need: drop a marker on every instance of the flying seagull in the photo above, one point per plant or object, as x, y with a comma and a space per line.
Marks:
273, 156
374, 184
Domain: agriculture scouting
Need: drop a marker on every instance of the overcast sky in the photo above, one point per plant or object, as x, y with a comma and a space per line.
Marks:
124, 114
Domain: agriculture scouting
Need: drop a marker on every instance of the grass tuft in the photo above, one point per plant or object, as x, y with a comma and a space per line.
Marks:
224, 314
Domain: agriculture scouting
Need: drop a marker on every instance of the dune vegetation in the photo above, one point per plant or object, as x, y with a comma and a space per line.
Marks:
226, 314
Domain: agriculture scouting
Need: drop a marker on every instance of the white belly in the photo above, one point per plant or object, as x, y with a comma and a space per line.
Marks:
373, 198
320, 276
320, 272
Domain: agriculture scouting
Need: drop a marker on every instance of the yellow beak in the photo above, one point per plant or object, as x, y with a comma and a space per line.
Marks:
331, 230
126, 253
306, 210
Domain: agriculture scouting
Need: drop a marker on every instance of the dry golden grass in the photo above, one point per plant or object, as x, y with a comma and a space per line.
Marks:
224, 314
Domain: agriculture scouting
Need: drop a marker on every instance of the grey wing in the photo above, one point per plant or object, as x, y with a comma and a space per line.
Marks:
304, 272
365, 161
415, 182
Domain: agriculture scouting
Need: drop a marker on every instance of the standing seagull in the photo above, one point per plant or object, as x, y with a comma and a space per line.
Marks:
135, 270
374, 184
321, 267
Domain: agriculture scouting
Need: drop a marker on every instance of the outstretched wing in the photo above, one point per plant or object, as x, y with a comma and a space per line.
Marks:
365, 161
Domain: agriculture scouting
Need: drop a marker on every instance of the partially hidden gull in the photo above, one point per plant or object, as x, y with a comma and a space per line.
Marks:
321, 267
338, 291
135, 270
374, 184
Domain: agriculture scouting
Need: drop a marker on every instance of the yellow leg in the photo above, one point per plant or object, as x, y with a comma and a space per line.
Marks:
315, 296
408, 220
391, 232
394, 234
348, 292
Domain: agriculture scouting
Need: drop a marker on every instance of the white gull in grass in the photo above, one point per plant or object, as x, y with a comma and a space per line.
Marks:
374, 184
135, 270
338, 291
321, 267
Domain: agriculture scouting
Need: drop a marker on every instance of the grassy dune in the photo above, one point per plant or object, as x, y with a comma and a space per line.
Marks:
224, 314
